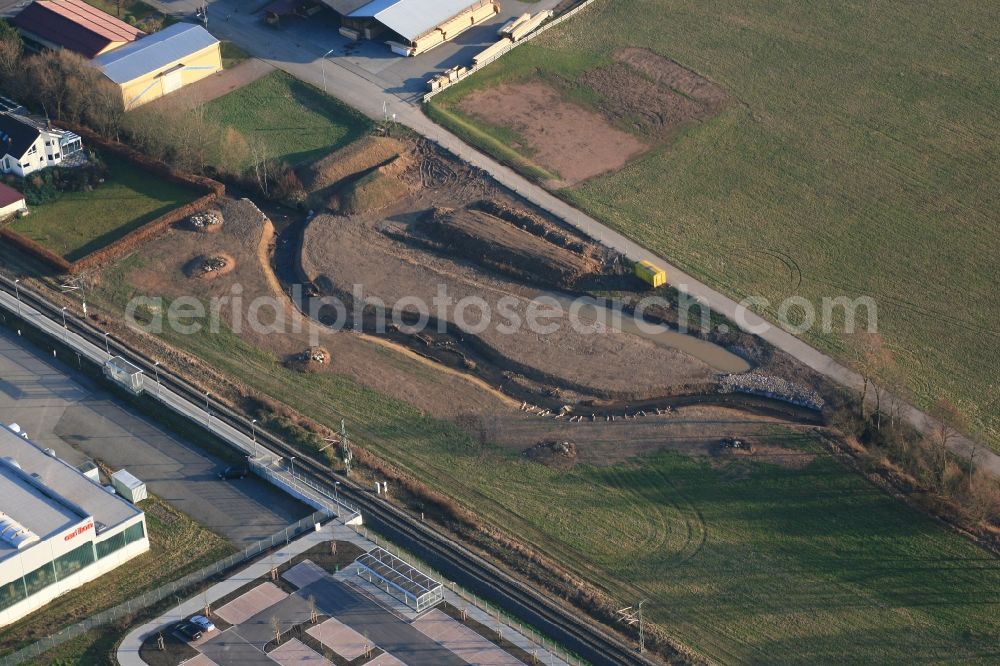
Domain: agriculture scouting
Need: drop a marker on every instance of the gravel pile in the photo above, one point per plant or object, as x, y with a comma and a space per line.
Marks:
206, 219
757, 383
213, 264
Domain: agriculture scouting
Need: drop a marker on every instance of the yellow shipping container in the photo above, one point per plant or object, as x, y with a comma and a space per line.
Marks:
650, 273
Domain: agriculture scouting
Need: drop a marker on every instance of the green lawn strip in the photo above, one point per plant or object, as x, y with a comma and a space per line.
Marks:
178, 546
291, 120
743, 560
868, 163
79, 223
232, 55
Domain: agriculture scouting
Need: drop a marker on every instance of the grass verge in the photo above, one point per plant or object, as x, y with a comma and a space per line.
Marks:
232, 55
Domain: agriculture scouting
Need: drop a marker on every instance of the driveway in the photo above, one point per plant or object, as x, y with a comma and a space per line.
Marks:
80, 420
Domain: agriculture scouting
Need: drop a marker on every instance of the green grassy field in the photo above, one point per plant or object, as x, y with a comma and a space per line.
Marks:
744, 561
861, 143
291, 120
79, 223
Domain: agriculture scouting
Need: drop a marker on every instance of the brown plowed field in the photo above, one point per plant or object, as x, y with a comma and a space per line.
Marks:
571, 141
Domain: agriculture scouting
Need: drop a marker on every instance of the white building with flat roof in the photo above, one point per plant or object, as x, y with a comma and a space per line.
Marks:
59, 529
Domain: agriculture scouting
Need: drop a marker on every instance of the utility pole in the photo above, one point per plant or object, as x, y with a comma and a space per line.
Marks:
642, 629
345, 446
322, 66
634, 617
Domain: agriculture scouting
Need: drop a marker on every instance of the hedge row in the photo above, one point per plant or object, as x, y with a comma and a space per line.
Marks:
212, 190
31, 247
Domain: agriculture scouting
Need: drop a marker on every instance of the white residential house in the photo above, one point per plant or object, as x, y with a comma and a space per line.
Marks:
28, 145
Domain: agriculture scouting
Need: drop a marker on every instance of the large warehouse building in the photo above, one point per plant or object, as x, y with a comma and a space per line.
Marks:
161, 63
58, 528
411, 27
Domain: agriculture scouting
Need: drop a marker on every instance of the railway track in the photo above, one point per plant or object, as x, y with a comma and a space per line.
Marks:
562, 623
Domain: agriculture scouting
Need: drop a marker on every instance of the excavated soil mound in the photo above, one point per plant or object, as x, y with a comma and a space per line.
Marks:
374, 191
553, 453
490, 240
538, 226
209, 267
361, 156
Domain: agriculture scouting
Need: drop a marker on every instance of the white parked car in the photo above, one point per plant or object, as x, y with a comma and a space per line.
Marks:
202, 623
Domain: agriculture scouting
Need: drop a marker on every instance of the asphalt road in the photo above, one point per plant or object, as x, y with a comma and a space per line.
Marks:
77, 418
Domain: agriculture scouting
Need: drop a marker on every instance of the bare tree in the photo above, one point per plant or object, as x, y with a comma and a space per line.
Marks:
276, 628
874, 362
944, 417
11, 51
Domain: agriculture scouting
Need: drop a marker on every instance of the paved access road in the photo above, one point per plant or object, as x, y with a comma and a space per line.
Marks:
366, 75
80, 420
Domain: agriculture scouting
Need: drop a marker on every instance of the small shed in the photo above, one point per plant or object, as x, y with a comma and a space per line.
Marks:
128, 486
11, 201
650, 273
90, 470
124, 373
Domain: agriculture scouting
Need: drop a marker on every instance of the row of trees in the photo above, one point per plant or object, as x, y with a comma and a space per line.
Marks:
61, 84
876, 420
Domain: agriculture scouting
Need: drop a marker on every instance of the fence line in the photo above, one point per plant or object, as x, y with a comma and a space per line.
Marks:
132, 606
527, 38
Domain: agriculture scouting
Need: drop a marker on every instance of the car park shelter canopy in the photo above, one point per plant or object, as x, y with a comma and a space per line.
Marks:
405, 582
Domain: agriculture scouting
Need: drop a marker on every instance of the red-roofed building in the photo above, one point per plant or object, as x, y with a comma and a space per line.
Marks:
11, 201
73, 25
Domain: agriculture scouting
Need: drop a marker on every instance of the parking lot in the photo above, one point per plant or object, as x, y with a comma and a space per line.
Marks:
80, 420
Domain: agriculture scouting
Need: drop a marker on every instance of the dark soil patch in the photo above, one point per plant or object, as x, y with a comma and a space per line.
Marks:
490, 240
653, 94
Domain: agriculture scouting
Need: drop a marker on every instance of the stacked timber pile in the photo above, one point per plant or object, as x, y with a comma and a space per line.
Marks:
492, 241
